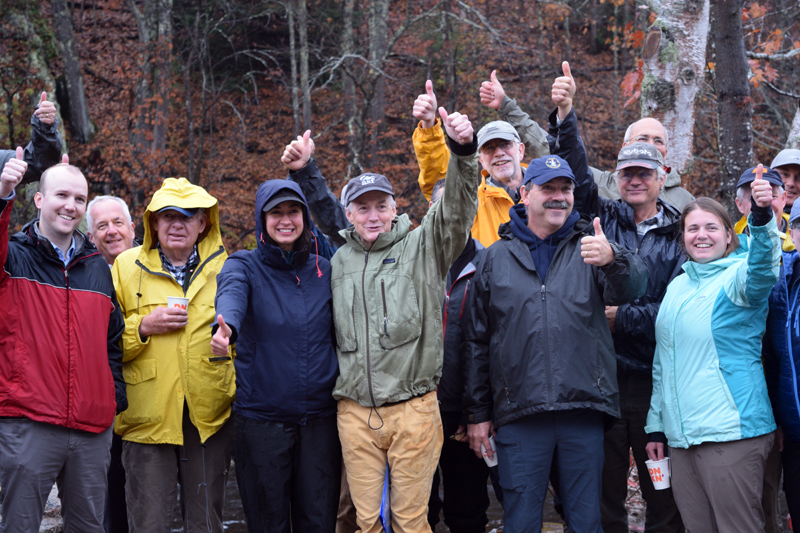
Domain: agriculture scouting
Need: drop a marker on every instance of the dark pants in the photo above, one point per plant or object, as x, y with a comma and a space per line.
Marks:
628, 433
526, 449
33, 456
153, 472
465, 476
791, 478
289, 475
116, 517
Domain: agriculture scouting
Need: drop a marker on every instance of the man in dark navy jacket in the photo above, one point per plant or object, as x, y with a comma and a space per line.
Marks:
60, 362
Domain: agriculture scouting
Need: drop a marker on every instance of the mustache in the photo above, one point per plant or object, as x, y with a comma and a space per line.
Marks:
555, 204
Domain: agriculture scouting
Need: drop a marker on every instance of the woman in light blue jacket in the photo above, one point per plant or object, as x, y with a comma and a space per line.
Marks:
709, 400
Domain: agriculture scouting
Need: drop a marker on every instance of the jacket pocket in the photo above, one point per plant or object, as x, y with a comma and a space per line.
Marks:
215, 391
399, 317
144, 402
344, 296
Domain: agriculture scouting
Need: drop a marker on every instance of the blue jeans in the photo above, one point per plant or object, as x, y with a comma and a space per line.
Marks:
525, 450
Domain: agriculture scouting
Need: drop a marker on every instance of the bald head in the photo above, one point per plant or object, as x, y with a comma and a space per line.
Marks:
647, 130
59, 168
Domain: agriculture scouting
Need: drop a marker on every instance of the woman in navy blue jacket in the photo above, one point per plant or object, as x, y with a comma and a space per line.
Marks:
275, 304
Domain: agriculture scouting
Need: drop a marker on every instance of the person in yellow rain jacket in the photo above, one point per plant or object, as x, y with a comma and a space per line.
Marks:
778, 203
500, 153
176, 430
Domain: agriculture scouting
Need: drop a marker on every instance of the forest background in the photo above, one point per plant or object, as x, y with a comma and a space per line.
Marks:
213, 90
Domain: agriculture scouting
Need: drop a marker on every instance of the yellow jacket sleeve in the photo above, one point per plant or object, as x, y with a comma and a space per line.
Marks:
432, 154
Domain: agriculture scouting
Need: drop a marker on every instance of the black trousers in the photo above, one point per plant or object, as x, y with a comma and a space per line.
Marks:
627, 433
465, 477
289, 475
791, 478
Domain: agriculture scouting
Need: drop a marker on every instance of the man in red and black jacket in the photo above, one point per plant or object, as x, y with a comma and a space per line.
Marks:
60, 361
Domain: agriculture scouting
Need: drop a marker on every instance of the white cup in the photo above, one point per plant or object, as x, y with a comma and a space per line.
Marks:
490, 462
659, 473
175, 301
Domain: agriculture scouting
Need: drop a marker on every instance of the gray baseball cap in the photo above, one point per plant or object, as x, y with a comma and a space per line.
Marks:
499, 129
640, 155
365, 183
790, 156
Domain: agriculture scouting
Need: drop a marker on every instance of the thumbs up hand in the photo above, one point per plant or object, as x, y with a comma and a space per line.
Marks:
222, 338
425, 107
457, 126
492, 92
298, 153
761, 189
563, 91
596, 250
12, 173
45, 111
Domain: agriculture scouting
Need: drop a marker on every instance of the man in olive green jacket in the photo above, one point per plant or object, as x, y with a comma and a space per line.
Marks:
387, 284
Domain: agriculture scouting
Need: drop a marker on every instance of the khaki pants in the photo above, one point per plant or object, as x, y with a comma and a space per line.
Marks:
408, 435
718, 485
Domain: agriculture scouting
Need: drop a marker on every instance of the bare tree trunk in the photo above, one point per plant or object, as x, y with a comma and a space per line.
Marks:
450, 68
378, 29
305, 87
793, 140
293, 65
82, 128
733, 96
353, 129
151, 97
674, 69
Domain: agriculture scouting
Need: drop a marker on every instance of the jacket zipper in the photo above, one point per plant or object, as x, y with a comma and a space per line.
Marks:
366, 321
385, 314
69, 351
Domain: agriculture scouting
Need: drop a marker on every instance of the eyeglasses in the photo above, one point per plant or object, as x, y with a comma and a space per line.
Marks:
490, 147
794, 224
643, 174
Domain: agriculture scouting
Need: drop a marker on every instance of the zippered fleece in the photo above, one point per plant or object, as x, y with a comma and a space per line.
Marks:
387, 301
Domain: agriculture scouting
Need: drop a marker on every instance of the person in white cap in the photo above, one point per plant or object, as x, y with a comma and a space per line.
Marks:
787, 163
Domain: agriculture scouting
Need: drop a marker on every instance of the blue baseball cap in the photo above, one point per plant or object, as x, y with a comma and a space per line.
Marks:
795, 214
547, 168
770, 175
185, 212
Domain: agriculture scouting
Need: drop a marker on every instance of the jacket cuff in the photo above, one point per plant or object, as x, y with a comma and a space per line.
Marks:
657, 437
463, 149
478, 417
429, 132
506, 106
759, 216
302, 175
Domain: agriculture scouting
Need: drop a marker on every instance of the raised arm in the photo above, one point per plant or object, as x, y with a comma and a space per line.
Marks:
430, 147
533, 136
324, 206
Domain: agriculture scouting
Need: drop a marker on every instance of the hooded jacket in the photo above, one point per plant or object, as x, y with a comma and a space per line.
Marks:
281, 316
60, 361
781, 348
708, 382
166, 370
493, 201
659, 248
387, 299
530, 131
537, 345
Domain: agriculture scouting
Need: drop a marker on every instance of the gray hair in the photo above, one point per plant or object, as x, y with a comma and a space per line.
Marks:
392, 202
105, 198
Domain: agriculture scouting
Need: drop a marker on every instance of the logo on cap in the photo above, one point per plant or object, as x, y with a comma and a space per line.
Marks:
552, 162
366, 180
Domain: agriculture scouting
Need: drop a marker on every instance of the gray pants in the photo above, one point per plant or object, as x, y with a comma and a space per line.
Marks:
33, 456
153, 472
718, 485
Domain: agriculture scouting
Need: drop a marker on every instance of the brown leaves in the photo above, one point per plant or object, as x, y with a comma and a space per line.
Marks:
632, 84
